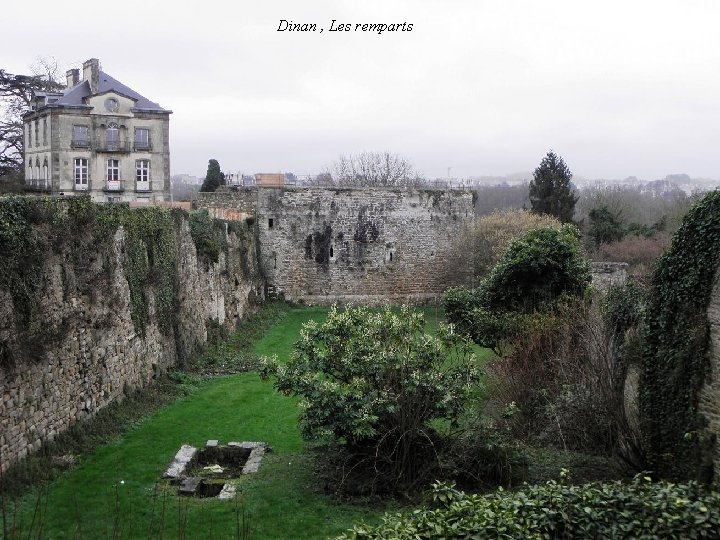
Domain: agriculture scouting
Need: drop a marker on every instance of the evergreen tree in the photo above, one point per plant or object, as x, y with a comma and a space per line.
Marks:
550, 189
214, 178
605, 227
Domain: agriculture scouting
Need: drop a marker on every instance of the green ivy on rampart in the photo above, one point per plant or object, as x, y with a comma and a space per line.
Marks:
675, 358
32, 229
151, 261
208, 235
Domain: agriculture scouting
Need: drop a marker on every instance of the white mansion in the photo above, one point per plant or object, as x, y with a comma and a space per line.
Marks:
97, 137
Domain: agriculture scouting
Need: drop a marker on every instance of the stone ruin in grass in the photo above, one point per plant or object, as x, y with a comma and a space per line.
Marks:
205, 473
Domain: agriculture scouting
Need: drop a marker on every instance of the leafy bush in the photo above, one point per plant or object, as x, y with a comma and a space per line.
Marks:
373, 382
484, 242
640, 509
535, 270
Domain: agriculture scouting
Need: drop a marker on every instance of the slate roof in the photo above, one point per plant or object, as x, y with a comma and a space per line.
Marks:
77, 94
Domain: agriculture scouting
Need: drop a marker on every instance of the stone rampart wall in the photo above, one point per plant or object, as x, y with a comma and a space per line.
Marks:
370, 246
101, 355
608, 274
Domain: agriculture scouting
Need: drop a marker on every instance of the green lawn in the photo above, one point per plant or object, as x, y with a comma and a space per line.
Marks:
116, 491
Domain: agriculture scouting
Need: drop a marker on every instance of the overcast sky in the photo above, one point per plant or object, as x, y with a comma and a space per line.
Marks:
486, 87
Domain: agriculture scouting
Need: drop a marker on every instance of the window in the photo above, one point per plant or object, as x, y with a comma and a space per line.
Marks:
29, 134
113, 170
81, 173
112, 136
30, 170
37, 133
37, 168
45, 170
142, 173
142, 138
270, 223
44, 130
80, 136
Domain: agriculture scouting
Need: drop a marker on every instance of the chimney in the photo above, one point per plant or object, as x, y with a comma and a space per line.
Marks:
91, 73
73, 77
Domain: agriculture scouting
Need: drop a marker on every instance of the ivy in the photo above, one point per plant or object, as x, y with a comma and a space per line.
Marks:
81, 233
675, 356
208, 235
151, 261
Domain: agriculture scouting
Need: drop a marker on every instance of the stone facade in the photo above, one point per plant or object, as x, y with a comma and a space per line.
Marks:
370, 246
710, 396
101, 355
608, 274
98, 137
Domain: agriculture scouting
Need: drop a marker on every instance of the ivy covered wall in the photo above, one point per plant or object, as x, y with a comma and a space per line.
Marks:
96, 300
679, 410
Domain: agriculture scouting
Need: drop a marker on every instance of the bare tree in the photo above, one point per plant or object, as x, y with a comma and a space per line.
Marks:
16, 95
373, 169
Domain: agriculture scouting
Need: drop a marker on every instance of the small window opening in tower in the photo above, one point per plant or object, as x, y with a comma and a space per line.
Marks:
270, 223
391, 256
332, 253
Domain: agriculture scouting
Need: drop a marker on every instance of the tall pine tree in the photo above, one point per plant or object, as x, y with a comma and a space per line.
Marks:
550, 189
214, 178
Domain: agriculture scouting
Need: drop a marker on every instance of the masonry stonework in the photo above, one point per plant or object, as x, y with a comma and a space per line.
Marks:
101, 355
370, 246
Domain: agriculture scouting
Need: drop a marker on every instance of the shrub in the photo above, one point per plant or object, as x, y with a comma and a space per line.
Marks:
640, 509
484, 242
536, 269
640, 252
373, 382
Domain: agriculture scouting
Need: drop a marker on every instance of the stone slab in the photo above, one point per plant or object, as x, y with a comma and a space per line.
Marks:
190, 485
182, 458
253, 463
227, 493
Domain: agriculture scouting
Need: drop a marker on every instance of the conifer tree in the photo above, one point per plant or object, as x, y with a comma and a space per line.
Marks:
214, 178
550, 189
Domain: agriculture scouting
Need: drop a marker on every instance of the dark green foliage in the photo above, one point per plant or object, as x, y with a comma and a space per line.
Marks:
604, 226
550, 189
151, 261
623, 307
373, 382
534, 271
81, 232
213, 178
638, 510
208, 235
675, 360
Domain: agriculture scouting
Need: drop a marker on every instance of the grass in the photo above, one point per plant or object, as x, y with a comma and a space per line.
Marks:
114, 491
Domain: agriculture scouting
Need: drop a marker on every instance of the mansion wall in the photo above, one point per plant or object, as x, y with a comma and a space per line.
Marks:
99, 354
